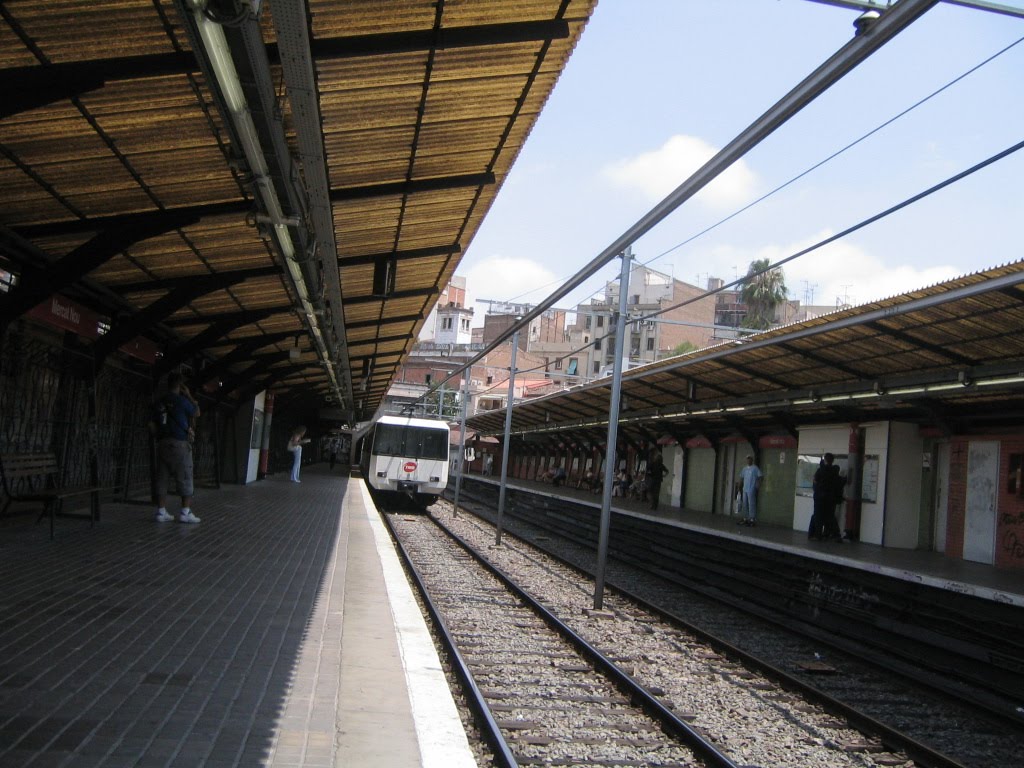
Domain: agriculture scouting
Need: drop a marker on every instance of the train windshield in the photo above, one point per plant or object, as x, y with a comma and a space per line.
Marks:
410, 442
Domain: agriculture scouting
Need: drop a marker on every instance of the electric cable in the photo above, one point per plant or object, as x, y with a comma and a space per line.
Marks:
820, 244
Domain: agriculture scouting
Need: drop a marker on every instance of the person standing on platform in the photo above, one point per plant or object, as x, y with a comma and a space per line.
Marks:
298, 439
656, 471
750, 484
334, 451
827, 493
171, 425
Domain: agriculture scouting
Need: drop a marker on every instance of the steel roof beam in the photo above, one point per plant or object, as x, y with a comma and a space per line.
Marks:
920, 344
412, 187
196, 344
252, 372
258, 386
23, 95
169, 283
412, 253
413, 293
820, 360
243, 351
38, 283
102, 223
383, 321
242, 207
155, 313
428, 39
379, 340
52, 82
376, 356
240, 318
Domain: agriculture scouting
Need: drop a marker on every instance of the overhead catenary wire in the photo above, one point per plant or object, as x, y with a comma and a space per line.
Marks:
893, 21
809, 170
820, 244
881, 126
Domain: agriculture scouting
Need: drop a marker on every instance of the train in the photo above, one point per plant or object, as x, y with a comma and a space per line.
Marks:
406, 456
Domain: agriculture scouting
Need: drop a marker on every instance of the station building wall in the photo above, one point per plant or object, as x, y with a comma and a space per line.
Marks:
985, 514
700, 478
778, 486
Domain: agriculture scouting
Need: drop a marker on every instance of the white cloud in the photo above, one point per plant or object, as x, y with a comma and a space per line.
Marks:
839, 271
507, 278
657, 173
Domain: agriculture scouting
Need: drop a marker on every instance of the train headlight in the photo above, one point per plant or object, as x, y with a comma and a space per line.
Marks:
382, 474
435, 479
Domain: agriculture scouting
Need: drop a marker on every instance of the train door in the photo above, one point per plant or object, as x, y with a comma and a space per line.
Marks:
941, 496
982, 499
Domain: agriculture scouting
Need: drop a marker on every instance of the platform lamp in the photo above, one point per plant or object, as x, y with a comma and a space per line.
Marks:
384, 272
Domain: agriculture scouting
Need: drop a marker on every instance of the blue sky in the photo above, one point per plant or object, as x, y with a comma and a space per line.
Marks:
655, 87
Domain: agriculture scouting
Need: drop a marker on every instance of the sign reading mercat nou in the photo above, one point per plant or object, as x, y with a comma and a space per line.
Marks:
64, 313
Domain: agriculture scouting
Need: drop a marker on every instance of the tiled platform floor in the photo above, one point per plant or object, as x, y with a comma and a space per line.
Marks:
137, 643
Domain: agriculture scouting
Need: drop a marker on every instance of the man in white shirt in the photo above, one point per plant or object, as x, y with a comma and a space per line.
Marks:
750, 484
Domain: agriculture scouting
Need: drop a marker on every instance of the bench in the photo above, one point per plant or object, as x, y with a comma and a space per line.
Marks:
43, 467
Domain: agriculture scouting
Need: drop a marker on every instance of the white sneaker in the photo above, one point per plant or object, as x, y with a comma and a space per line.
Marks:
163, 516
187, 517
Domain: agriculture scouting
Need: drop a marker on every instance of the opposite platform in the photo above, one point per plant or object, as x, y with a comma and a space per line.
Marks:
280, 631
918, 567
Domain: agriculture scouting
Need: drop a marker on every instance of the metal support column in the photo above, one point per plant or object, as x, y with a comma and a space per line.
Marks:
613, 435
462, 442
508, 430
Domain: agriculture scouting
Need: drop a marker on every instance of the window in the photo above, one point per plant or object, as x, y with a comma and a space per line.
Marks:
446, 324
650, 344
490, 379
600, 321
586, 322
574, 363
7, 281
634, 299
465, 324
426, 379
558, 364
597, 344
597, 366
410, 442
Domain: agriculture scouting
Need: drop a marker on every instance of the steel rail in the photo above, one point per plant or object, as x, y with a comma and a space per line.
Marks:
503, 756
892, 738
672, 724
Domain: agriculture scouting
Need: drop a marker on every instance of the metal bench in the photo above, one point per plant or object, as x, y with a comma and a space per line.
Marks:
40, 472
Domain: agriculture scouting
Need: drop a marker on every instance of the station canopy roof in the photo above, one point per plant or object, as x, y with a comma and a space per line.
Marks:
950, 356
240, 178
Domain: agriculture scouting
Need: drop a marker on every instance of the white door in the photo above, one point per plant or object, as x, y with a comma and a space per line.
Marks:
982, 493
941, 495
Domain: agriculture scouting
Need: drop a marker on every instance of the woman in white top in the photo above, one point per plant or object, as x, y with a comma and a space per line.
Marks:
295, 446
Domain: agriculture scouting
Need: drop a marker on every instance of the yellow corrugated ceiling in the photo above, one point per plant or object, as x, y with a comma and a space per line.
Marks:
121, 185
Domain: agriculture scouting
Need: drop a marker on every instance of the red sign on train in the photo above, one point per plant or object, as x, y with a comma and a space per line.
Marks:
410, 466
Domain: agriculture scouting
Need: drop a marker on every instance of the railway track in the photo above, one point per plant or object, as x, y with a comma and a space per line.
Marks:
934, 729
547, 696
743, 717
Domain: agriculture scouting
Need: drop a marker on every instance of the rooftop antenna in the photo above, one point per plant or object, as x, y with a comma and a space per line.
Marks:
809, 293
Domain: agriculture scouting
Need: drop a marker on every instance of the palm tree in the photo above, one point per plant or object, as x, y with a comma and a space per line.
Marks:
762, 293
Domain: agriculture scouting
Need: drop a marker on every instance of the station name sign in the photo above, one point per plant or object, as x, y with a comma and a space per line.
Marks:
61, 312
